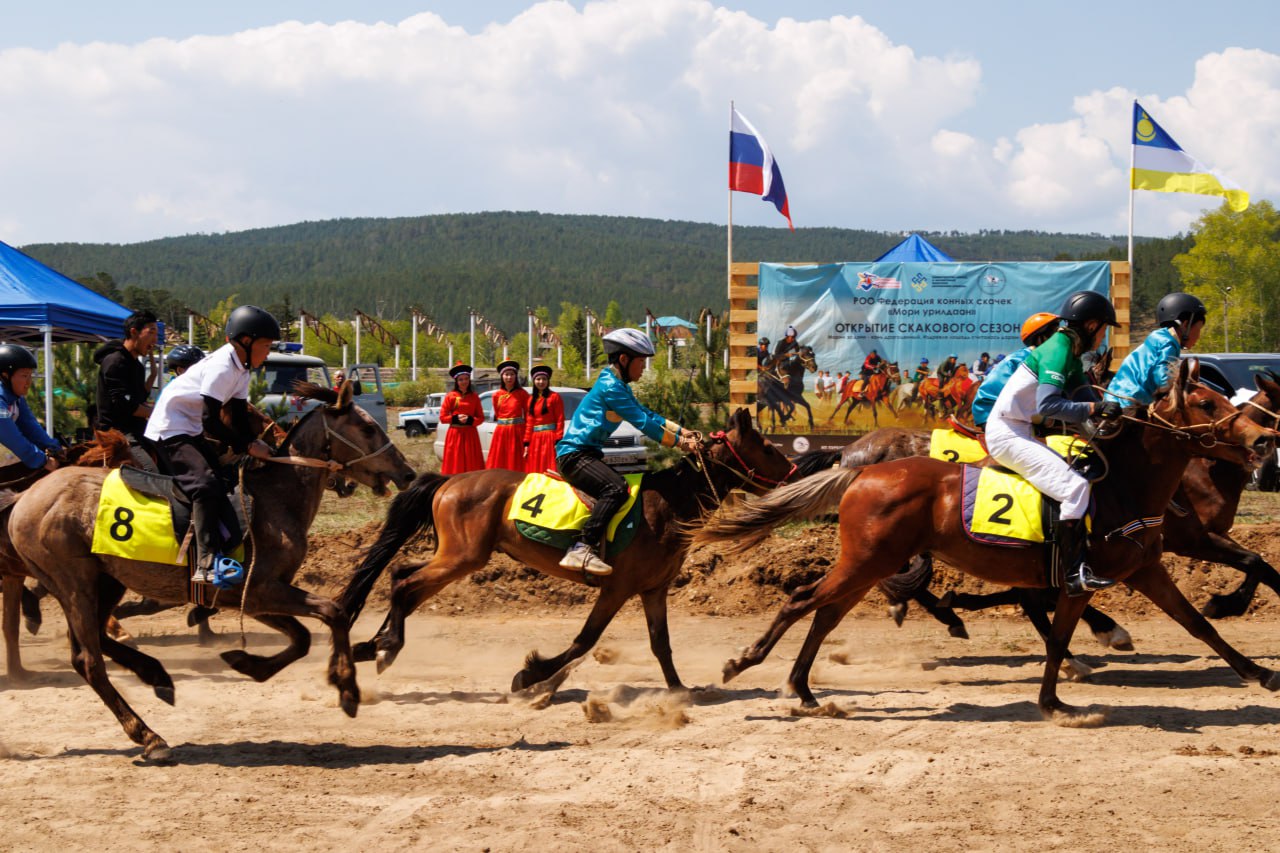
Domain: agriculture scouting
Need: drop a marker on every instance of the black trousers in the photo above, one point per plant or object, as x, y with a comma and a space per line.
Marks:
192, 464
587, 471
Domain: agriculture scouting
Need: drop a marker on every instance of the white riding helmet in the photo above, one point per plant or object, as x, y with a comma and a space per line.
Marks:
791, 331
630, 341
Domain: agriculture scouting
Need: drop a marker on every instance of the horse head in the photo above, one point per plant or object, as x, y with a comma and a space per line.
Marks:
1262, 407
1195, 410
808, 359
758, 464
346, 434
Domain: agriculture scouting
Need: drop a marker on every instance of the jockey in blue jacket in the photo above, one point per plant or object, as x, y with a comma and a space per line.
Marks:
19, 429
579, 457
1146, 369
1036, 329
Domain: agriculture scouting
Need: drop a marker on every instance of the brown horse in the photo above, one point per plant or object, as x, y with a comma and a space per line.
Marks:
875, 389
890, 512
469, 513
51, 529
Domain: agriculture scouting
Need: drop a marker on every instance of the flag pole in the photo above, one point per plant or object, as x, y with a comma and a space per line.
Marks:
1131, 161
729, 250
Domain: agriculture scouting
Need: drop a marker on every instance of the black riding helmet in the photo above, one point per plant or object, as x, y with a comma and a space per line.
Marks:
183, 355
1177, 307
14, 357
252, 322
1085, 305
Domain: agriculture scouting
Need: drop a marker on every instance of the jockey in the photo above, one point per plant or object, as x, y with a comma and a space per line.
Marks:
922, 372
762, 353
947, 369
181, 357
191, 406
1036, 329
20, 432
1146, 369
579, 457
980, 366
787, 345
1037, 392
869, 365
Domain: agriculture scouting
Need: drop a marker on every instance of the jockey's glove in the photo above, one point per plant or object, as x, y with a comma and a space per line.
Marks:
1107, 410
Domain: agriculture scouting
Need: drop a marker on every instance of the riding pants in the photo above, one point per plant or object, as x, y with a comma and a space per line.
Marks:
1014, 445
586, 470
192, 464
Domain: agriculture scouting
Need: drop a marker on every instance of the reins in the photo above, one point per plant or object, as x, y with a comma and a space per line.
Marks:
748, 476
1155, 420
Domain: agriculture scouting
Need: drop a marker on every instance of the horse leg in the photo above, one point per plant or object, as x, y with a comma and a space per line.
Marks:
1219, 548
538, 669
13, 586
935, 608
1106, 631
1034, 609
824, 622
263, 667
655, 617
31, 615
199, 617
1154, 582
409, 592
149, 670
1066, 616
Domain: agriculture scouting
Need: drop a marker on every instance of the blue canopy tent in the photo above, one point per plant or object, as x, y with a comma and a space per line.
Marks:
915, 249
38, 304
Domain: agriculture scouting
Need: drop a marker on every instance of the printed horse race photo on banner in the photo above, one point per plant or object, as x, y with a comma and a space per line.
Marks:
856, 346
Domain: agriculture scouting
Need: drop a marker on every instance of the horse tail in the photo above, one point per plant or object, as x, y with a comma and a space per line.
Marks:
751, 521
813, 462
408, 514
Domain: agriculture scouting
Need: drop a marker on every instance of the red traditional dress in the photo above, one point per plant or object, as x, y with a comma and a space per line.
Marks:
506, 450
543, 427
461, 443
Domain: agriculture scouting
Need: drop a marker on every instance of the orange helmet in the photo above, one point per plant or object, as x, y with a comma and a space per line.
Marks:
1036, 323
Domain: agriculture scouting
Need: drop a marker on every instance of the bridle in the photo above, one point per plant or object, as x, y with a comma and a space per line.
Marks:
330, 434
1200, 432
747, 475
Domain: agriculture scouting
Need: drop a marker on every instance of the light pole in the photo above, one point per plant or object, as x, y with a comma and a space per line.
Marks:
1226, 318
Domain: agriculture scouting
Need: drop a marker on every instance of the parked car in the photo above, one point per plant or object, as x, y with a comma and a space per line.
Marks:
285, 365
625, 450
416, 422
1233, 373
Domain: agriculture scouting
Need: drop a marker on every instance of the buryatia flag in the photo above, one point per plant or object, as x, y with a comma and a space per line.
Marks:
752, 168
1159, 164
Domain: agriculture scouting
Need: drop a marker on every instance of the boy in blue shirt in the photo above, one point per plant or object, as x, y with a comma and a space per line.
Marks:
1146, 369
1036, 329
19, 429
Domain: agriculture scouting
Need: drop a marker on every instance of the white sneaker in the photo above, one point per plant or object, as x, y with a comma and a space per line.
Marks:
583, 558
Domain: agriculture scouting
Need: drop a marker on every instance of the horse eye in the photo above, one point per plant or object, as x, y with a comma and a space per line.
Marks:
1207, 405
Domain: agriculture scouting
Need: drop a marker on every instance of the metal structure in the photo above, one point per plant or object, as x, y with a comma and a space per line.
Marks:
380, 332
547, 337
323, 331
428, 325
491, 332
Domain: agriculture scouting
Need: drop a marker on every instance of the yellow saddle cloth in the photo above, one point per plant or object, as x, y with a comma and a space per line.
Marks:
137, 526
1002, 508
548, 510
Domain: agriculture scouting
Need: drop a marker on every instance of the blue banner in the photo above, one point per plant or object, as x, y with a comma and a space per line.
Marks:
905, 312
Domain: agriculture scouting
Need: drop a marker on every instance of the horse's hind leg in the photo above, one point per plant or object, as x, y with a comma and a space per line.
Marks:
824, 622
538, 669
1218, 548
409, 592
31, 615
1106, 631
261, 667
13, 589
655, 616
935, 608
1153, 582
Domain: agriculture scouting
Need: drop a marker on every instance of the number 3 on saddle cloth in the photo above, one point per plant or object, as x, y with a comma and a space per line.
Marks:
549, 510
1000, 507
142, 516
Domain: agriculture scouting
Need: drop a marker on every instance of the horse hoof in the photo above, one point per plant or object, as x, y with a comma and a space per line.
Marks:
960, 632
730, 671
365, 651
1272, 681
1223, 607
1074, 670
32, 625
350, 701
385, 658
899, 613
522, 679
165, 694
243, 663
157, 752
1117, 638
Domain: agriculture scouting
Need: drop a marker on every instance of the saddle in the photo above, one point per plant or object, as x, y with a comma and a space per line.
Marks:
163, 486
546, 509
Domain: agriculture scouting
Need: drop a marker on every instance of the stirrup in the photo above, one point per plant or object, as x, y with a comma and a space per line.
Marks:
226, 573
1082, 581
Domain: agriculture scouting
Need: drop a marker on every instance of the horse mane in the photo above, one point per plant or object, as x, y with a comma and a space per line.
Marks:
109, 449
312, 391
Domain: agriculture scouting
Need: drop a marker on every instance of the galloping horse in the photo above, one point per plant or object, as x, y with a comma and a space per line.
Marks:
469, 512
876, 388
890, 512
51, 530
781, 387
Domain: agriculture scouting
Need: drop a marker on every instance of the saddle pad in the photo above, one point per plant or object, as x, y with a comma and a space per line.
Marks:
548, 510
1001, 508
133, 525
950, 446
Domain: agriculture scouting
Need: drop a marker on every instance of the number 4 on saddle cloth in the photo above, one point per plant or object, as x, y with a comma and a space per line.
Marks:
144, 516
1000, 507
549, 510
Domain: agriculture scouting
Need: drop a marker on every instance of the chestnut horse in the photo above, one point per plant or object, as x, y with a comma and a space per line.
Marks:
469, 513
51, 530
893, 511
875, 389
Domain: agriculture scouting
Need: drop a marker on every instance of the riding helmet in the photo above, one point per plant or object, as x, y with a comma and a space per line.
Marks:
1036, 323
1085, 305
1176, 307
14, 357
630, 341
183, 355
254, 322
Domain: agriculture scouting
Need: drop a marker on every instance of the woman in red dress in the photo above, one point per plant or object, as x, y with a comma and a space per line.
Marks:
461, 410
510, 402
544, 425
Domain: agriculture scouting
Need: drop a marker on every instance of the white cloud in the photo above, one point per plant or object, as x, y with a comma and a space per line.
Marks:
619, 107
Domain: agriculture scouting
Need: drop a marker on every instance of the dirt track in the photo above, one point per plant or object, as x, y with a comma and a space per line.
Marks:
933, 744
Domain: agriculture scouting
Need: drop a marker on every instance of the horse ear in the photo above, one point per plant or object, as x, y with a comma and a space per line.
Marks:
345, 392
741, 421
1193, 368
1179, 383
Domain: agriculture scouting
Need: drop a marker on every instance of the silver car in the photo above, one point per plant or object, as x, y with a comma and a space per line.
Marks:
283, 368
625, 450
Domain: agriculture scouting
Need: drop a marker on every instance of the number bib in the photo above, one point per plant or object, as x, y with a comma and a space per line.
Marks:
1001, 508
950, 446
548, 510
133, 525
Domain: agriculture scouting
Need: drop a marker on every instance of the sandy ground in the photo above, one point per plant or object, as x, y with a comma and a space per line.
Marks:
933, 744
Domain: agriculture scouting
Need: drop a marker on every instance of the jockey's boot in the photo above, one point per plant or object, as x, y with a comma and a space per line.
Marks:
1073, 545
582, 557
208, 543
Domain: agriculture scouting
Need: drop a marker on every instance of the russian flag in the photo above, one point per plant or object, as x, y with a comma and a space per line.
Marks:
752, 168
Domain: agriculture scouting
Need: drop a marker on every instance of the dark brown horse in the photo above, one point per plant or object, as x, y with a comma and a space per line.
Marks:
893, 511
469, 513
51, 529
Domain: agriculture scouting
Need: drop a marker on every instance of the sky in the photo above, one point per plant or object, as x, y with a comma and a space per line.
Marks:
135, 120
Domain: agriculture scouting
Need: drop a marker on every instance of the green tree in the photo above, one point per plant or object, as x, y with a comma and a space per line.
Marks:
1234, 267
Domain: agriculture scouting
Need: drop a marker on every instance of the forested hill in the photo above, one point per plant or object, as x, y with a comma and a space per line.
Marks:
501, 263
